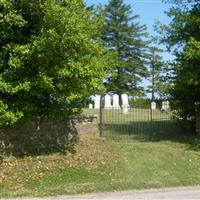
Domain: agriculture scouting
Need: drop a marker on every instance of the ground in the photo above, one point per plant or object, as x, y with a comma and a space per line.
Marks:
183, 193
102, 166
158, 159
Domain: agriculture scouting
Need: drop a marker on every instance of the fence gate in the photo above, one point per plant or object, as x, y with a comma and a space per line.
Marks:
137, 123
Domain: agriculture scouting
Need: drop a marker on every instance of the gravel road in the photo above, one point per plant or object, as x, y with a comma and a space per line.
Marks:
182, 193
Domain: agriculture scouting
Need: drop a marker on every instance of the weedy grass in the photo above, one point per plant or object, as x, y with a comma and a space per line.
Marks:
102, 166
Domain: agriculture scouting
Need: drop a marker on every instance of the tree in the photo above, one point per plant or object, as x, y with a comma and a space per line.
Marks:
51, 58
157, 73
124, 36
183, 38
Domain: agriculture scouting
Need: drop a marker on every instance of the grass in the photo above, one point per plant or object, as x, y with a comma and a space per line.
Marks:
102, 166
128, 159
134, 114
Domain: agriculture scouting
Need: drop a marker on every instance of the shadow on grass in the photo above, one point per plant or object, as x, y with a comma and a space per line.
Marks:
151, 131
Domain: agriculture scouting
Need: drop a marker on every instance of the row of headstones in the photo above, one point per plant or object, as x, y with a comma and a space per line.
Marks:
124, 97
107, 102
165, 105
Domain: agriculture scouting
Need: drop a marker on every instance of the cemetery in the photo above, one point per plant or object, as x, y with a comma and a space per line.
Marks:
128, 121
98, 96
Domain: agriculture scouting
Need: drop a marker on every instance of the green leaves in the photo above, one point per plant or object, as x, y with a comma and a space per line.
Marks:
183, 35
53, 62
193, 49
8, 117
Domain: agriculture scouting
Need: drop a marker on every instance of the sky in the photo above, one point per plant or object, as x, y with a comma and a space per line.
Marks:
148, 10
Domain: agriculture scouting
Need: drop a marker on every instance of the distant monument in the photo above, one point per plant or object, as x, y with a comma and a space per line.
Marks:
125, 104
116, 101
165, 105
90, 106
97, 101
153, 105
108, 102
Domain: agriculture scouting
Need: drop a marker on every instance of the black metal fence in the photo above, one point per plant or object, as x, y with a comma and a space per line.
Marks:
138, 123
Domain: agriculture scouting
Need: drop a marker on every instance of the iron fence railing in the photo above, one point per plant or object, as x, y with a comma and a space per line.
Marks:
142, 123
137, 123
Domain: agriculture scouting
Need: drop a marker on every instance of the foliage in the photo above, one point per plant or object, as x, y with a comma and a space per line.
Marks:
51, 58
183, 38
156, 65
140, 103
125, 36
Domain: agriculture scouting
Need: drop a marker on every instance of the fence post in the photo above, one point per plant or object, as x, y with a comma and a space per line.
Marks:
151, 121
101, 116
197, 105
151, 113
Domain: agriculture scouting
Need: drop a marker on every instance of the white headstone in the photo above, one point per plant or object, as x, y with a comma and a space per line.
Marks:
125, 104
107, 102
90, 106
116, 101
125, 110
97, 101
153, 105
165, 105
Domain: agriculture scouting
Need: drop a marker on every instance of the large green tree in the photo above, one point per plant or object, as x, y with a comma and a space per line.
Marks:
124, 36
50, 57
183, 38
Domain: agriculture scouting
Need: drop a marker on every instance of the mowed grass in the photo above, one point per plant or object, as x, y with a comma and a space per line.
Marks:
162, 157
134, 114
102, 166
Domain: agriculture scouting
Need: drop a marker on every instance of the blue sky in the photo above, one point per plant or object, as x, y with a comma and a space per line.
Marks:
149, 11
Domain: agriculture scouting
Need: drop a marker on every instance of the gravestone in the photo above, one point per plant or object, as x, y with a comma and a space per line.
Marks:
97, 101
125, 110
165, 105
108, 102
153, 105
125, 100
90, 106
116, 101
125, 104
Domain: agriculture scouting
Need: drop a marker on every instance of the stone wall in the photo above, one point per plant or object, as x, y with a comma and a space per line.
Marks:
44, 137
85, 128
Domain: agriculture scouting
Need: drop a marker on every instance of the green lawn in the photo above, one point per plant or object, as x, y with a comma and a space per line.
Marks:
134, 114
103, 166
